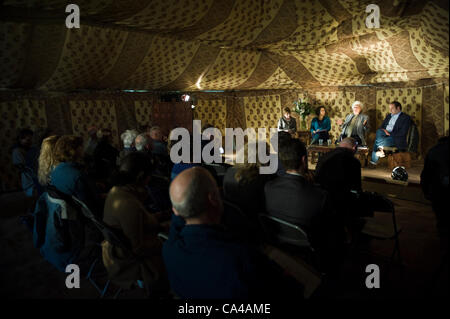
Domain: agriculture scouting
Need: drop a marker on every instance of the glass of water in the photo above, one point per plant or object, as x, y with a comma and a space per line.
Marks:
320, 141
329, 142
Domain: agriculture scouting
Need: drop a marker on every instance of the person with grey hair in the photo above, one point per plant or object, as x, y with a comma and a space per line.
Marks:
128, 137
203, 260
355, 124
143, 143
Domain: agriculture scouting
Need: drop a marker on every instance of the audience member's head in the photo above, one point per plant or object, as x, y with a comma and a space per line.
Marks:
283, 137
195, 197
69, 148
248, 171
128, 137
156, 133
135, 169
47, 158
104, 135
293, 155
143, 143
349, 143
25, 138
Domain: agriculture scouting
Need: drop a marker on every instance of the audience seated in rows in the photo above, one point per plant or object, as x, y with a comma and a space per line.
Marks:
124, 210
291, 197
205, 261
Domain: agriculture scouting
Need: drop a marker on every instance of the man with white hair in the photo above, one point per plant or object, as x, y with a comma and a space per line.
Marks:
355, 124
203, 260
128, 137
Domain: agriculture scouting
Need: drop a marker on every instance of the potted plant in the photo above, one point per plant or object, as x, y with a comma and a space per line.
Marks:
303, 109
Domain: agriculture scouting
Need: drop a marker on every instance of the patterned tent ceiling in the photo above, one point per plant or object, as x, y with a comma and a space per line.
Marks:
220, 44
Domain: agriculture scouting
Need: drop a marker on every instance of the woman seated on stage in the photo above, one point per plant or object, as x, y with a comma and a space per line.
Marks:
320, 126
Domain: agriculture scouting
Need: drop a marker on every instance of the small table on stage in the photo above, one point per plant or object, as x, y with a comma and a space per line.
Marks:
362, 153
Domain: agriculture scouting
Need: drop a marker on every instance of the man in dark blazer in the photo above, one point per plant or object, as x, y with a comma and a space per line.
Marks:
292, 198
339, 173
392, 132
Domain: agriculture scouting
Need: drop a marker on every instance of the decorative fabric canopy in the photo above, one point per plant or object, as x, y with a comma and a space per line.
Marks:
220, 45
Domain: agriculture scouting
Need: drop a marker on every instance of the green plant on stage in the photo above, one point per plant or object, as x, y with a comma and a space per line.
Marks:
303, 109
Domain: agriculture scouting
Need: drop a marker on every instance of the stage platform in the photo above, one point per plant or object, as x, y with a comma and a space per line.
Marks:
382, 172
379, 180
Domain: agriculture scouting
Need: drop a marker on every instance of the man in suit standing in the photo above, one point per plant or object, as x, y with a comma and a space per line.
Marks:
392, 132
355, 125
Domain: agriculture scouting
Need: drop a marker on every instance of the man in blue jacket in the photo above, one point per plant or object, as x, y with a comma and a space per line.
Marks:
392, 132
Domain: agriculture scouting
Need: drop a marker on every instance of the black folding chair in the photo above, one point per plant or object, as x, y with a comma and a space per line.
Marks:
289, 237
117, 239
380, 229
238, 223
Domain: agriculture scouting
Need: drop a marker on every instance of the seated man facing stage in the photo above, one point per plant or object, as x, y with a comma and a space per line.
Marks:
287, 123
291, 197
392, 132
339, 172
320, 126
355, 125
203, 260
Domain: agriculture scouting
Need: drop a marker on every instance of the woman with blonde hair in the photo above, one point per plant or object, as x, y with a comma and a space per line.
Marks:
47, 159
68, 176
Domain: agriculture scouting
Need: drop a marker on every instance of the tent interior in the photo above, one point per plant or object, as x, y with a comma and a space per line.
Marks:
241, 62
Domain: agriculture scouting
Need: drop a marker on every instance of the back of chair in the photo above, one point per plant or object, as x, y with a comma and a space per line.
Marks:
239, 223
283, 232
115, 237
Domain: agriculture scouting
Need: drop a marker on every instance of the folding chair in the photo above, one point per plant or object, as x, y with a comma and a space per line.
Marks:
239, 223
380, 229
117, 239
282, 233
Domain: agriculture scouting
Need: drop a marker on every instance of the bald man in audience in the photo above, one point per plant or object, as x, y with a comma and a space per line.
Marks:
203, 260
